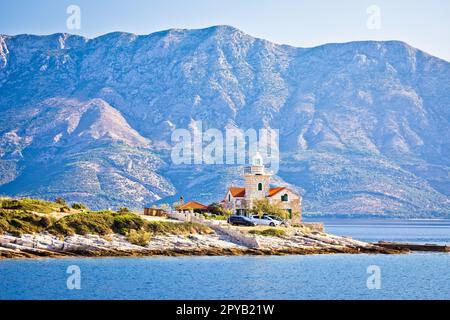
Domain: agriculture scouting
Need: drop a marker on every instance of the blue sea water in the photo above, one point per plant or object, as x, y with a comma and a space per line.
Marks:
411, 276
416, 231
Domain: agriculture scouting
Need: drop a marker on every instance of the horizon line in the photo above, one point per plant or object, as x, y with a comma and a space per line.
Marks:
216, 27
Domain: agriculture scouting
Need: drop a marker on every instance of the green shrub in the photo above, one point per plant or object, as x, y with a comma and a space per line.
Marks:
263, 206
45, 222
123, 223
12, 204
26, 204
64, 209
98, 222
22, 221
271, 232
124, 210
61, 201
4, 226
217, 210
18, 222
139, 237
79, 206
84, 223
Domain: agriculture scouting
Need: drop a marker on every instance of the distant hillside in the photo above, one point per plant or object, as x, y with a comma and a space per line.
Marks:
364, 125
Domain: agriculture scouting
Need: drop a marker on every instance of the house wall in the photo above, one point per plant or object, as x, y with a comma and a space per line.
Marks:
294, 203
235, 203
251, 186
155, 212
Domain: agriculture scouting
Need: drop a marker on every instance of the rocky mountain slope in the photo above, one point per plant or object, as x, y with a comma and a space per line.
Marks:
364, 126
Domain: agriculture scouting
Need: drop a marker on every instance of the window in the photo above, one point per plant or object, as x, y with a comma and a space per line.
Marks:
285, 198
290, 213
260, 186
229, 197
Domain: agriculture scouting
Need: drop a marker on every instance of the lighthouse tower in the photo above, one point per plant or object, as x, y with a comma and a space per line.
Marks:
257, 180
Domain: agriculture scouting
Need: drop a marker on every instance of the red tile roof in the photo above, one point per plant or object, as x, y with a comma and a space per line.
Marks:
240, 192
274, 191
192, 205
237, 192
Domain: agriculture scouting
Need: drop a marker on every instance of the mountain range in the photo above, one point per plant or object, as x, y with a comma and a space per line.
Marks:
364, 126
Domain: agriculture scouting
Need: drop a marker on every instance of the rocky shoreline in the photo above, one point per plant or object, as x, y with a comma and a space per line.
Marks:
47, 245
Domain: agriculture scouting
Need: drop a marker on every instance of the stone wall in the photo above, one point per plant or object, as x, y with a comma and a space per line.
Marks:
237, 236
251, 186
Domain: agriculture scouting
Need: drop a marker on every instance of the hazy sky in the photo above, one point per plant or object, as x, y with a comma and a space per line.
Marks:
425, 24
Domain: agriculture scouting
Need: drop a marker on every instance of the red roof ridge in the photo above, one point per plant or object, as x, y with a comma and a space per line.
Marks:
192, 205
274, 191
237, 192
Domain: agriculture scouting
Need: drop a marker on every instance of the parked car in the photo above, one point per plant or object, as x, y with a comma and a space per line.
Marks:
283, 222
266, 220
241, 221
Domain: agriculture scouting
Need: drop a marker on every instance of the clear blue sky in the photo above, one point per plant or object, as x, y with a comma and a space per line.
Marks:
424, 24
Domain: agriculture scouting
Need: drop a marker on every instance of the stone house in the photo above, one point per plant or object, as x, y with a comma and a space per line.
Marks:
257, 186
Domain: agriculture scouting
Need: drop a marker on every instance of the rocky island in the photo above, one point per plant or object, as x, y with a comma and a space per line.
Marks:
33, 228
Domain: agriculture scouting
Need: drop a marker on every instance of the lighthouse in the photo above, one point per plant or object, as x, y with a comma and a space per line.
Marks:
257, 187
257, 180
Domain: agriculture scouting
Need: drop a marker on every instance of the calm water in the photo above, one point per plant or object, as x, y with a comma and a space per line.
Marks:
413, 276
417, 231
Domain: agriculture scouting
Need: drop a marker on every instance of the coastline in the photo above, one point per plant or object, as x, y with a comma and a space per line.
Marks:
45, 245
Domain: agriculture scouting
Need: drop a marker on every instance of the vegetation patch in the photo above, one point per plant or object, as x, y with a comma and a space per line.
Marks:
263, 206
271, 232
139, 237
18, 222
214, 217
16, 217
84, 223
79, 206
175, 228
26, 204
123, 223
217, 210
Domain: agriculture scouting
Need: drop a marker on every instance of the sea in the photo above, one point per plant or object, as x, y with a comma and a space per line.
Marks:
423, 276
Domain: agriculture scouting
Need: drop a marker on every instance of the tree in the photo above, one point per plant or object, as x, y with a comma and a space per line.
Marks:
263, 206
61, 201
227, 212
215, 208
218, 210
79, 206
124, 210
176, 205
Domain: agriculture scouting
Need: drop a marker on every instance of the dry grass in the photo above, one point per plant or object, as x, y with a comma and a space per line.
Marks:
269, 232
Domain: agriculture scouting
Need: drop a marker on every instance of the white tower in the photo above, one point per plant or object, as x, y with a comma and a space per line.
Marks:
257, 180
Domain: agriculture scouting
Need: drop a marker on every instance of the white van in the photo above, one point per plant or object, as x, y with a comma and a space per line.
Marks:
265, 220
